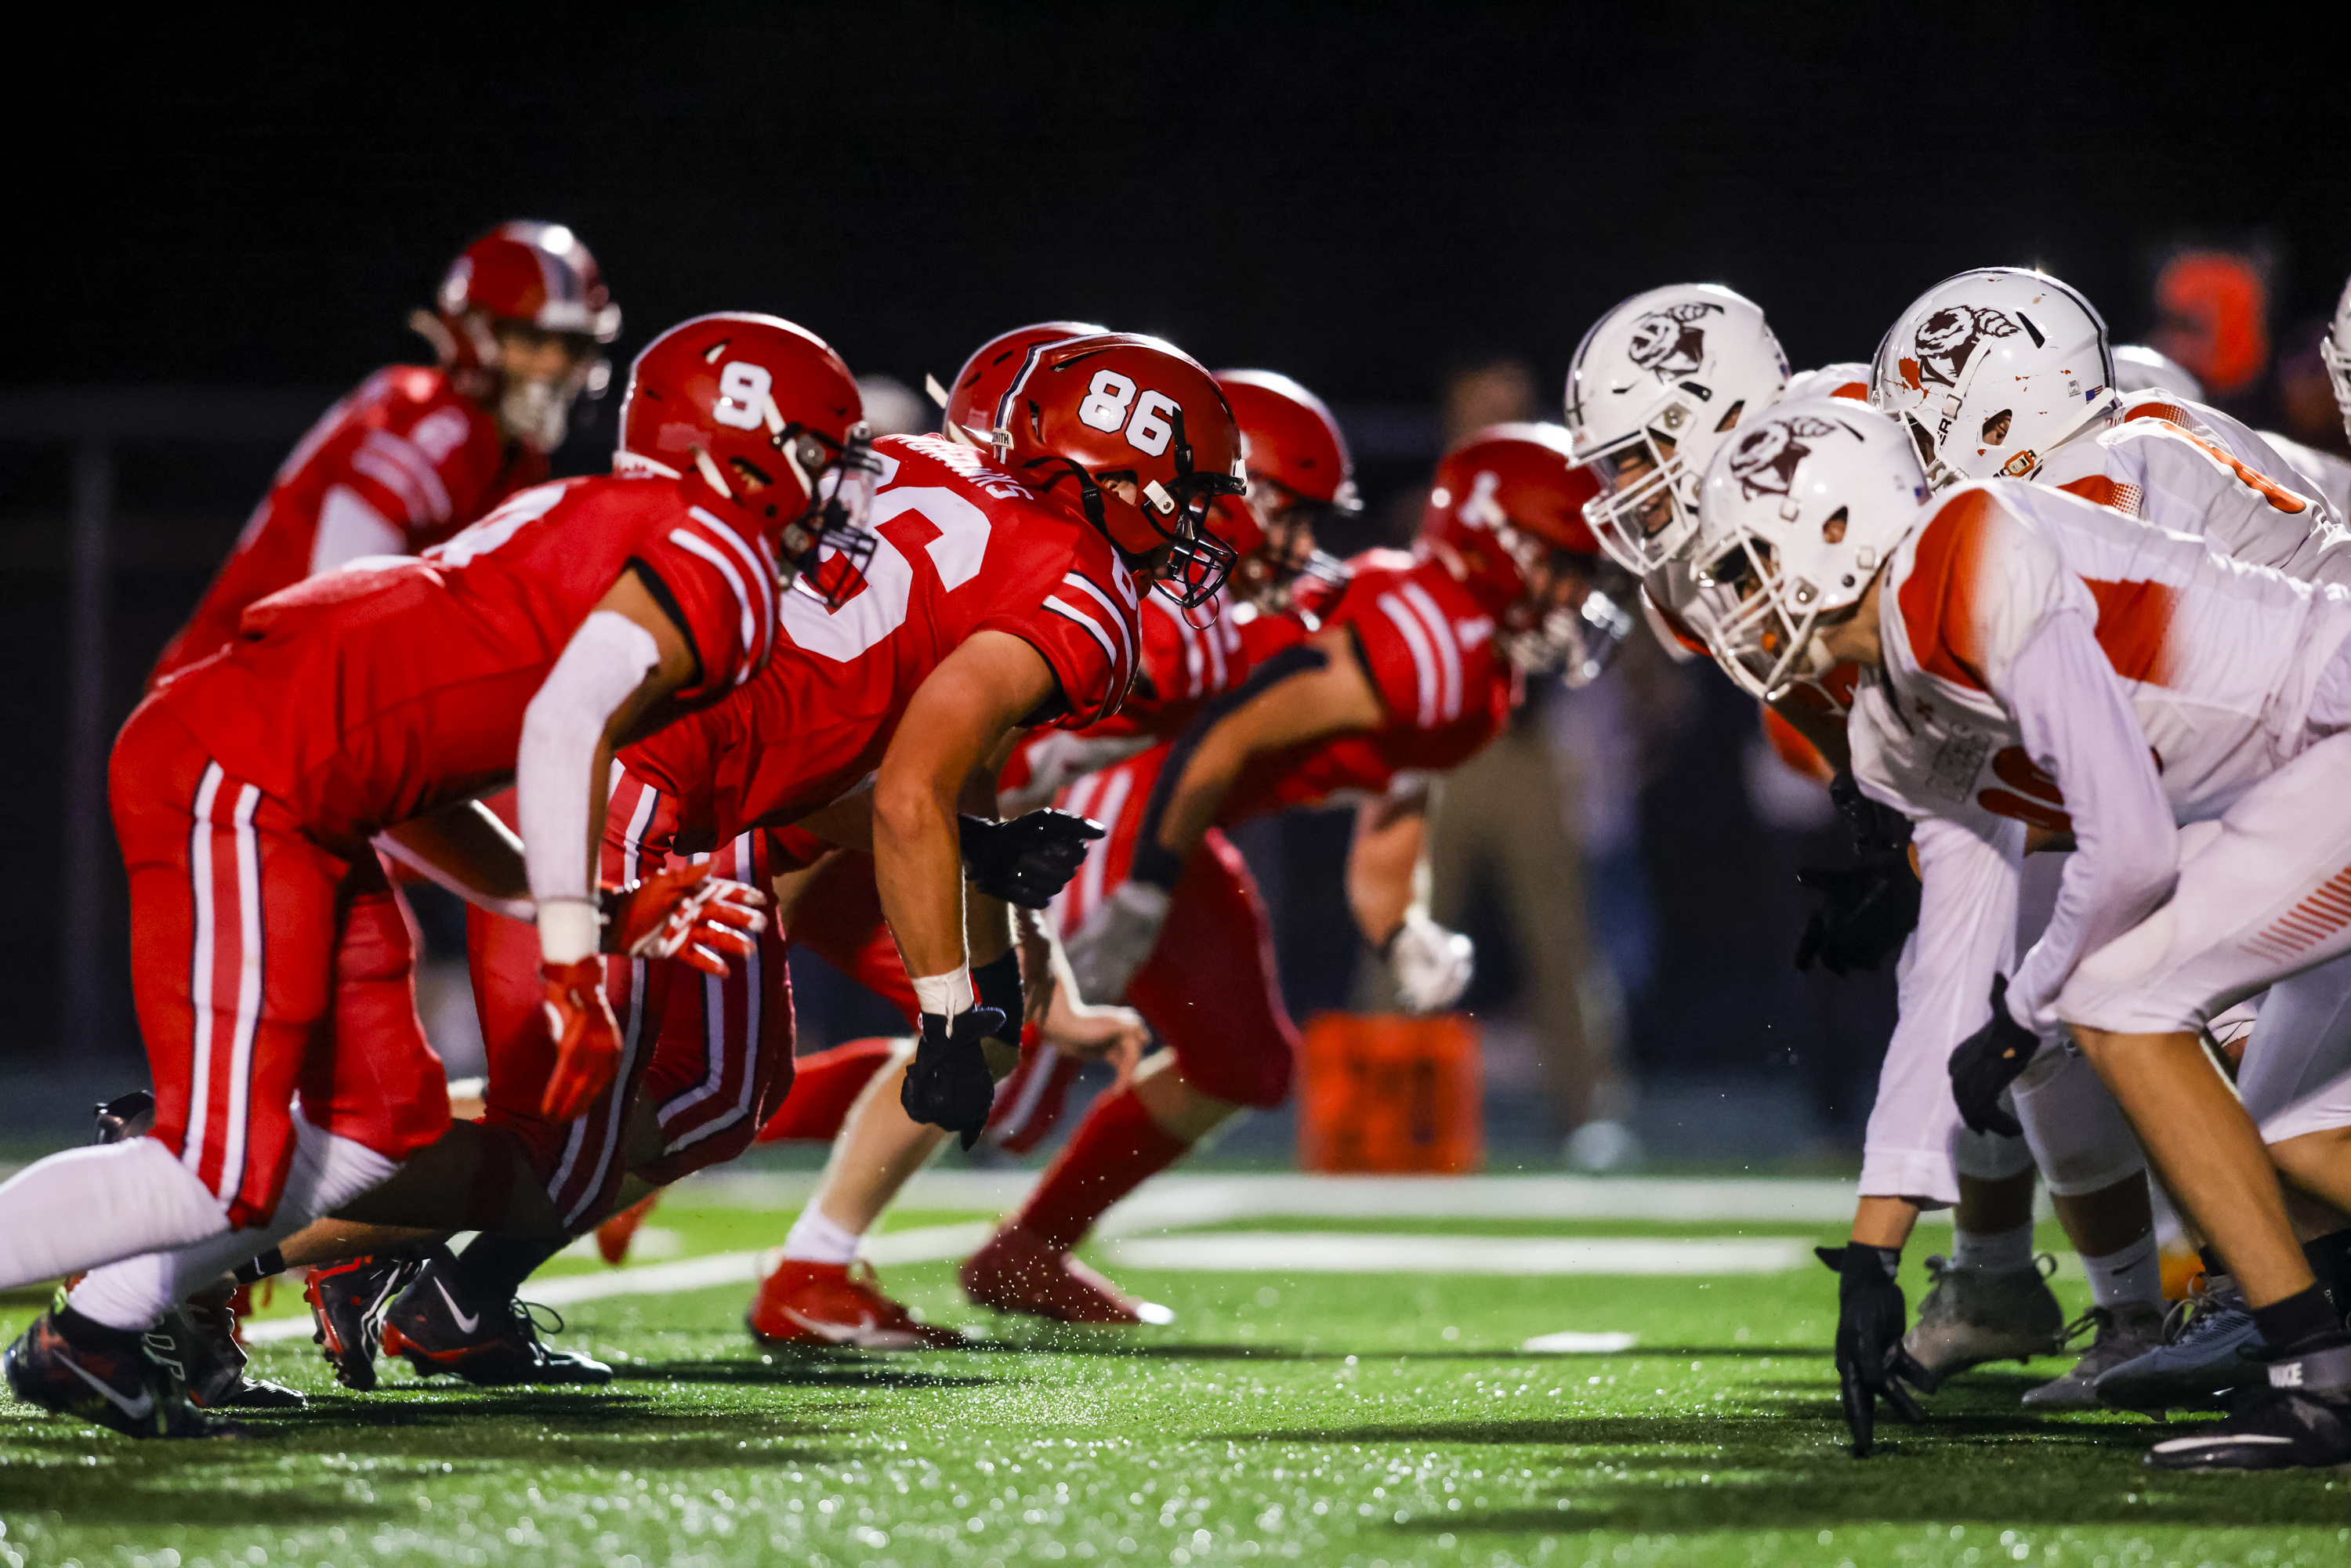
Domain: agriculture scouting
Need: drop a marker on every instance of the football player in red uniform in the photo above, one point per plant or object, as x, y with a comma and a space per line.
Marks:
1002, 593
1414, 671
1298, 474
578, 617
413, 454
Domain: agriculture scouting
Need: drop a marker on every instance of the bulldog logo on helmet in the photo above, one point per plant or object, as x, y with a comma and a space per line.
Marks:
1947, 341
1670, 342
1764, 460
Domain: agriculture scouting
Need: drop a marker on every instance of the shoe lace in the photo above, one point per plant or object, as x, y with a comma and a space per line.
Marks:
527, 1319
2211, 1302
2095, 1322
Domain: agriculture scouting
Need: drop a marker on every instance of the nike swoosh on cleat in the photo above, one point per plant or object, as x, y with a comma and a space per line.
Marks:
2183, 1445
832, 1334
138, 1410
465, 1324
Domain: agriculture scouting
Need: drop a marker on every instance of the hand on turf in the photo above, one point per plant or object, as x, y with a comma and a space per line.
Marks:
1116, 940
1431, 966
1988, 1061
947, 1084
684, 913
1871, 1362
1028, 860
586, 1037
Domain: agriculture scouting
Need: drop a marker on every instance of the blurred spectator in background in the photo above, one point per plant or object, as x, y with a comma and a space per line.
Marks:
892, 407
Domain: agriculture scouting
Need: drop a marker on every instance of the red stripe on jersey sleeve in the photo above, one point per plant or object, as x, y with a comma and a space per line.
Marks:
2105, 492
728, 608
2134, 628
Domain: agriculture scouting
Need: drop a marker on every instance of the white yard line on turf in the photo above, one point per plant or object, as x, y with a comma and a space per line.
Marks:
926, 1245
1335, 1252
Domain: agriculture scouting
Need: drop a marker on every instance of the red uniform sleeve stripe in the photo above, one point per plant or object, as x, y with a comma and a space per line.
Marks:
1124, 625
2134, 627
1937, 598
404, 453
1423, 661
2105, 492
1440, 636
687, 541
759, 565
1058, 606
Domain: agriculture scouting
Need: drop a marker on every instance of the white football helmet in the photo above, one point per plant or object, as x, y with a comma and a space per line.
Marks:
2138, 369
1655, 387
1840, 378
2336, 350
1799, 513
1991, 369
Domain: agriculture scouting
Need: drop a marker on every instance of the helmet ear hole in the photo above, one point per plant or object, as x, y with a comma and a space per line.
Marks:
1833, 531
1731, 416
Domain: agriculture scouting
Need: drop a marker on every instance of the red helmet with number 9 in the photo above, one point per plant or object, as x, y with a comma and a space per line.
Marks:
970, 404
1115, 411
1507, 504
768, 418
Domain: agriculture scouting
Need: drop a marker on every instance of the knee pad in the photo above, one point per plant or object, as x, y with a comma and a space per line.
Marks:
2076, 1132
1989, 1156
330, 1170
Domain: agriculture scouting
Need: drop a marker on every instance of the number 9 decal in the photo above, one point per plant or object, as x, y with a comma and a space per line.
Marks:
742, 395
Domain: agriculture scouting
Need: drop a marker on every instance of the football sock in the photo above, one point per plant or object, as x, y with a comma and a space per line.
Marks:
88, 1333
2132, 1276
2330, 1261
2303, 1320
1114, 1151
493, 1267
75, 1211
2214, 1264
815, 1238
825, 1084
2000, 1252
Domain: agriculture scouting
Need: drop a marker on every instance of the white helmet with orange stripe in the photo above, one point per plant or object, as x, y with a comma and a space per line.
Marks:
1798, 514
1656, 386
1993, 369
2336, 350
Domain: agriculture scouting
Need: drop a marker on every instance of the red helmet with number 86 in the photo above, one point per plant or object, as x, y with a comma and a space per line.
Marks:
1147, 438
969, 406
766, 418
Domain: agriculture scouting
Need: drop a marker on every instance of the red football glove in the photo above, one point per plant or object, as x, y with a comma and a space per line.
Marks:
586, 1037
685, 914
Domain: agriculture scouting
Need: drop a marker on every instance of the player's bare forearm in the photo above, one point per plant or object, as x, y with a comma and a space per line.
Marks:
956, 721
1884, 1221
465, 849
1384, 864
1312, 705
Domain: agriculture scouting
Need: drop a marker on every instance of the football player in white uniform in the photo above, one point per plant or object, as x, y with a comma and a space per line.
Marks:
2180, 713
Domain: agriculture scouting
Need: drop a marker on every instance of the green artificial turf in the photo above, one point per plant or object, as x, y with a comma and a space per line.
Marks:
1315, 1419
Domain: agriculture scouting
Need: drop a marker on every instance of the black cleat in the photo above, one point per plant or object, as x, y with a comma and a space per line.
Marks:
441, 1328
112, 1385
2300, 1420
347, 1302
197, 1343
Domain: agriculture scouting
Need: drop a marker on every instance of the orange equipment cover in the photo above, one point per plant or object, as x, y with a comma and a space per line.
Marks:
1392, 1094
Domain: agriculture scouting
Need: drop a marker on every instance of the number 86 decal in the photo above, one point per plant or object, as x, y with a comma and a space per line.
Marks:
1108, 397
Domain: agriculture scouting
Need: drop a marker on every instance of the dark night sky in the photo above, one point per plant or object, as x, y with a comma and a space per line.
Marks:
1354, 199
1359, 195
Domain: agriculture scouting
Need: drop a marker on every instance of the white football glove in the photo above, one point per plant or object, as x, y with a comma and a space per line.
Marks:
1431, 966
1116, 940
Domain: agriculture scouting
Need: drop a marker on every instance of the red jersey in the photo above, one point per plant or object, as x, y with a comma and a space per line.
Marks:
363, 698
965, 547
1428, 648
427, 460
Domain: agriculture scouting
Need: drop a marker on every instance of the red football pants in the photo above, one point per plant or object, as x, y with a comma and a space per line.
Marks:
263, 968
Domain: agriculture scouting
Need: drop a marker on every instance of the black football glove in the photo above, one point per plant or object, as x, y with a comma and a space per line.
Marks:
1028, 860
1988, 1061
1875, 826
947, 1083
1866, 913
1871, 1362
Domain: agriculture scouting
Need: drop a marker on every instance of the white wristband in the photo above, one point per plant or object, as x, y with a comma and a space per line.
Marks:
569, 929
945, 995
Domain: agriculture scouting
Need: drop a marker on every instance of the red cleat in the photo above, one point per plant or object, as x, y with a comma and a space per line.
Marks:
1015, 1272
612, 1237
837, 1304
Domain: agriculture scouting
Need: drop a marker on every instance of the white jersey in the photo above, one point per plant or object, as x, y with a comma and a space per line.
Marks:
2324, 475
2050, 662
2191, 469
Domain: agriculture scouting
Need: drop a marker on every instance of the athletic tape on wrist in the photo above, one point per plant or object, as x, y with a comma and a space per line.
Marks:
947, 995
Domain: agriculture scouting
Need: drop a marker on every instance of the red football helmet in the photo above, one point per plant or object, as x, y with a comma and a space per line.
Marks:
1113, 408
536, 275
1300, 475
969, 405
768, 418
1506, 517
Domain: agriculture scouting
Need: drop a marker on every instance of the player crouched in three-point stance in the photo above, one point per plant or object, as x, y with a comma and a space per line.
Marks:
578, 617
2185, 712
1001, 592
